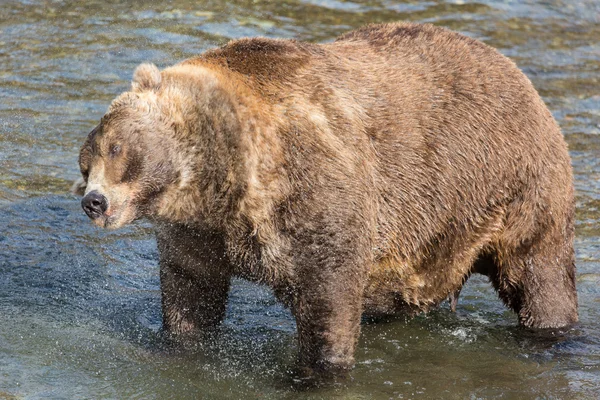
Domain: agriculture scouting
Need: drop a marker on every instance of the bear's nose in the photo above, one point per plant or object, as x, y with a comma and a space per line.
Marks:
94, 204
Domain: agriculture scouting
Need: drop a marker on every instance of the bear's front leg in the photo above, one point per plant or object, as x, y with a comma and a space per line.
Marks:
194, 279
328, 307
328, 321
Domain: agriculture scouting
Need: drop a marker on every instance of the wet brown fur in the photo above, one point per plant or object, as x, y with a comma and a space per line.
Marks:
369, 175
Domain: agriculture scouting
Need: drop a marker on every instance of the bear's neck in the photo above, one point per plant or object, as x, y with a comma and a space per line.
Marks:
227, 157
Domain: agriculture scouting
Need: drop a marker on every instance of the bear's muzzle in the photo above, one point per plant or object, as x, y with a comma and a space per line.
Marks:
94, 204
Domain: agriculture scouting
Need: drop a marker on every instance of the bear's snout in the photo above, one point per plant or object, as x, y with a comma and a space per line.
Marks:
94, 204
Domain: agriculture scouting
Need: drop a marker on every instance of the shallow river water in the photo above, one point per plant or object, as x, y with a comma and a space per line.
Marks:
80, 307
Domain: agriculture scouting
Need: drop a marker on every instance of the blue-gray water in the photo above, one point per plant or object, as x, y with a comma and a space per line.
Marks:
80, 307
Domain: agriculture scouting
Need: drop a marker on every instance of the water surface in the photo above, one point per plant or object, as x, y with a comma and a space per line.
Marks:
80, 307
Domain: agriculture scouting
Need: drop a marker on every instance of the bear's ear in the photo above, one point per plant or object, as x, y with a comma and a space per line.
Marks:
78, 187
146, 77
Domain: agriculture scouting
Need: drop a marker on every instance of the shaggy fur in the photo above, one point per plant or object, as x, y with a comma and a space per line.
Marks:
370, 175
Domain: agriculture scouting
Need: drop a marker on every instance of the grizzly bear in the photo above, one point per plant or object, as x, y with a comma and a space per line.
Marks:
368, 176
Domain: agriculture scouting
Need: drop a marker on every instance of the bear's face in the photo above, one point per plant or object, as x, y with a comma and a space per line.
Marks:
168, 150
120, 177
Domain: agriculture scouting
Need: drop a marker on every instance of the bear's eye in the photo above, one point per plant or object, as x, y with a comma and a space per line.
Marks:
115, 150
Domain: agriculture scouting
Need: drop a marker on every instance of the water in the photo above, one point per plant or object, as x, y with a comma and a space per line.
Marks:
80, 307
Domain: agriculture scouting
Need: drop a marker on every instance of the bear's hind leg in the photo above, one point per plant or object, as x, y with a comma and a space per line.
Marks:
537, 280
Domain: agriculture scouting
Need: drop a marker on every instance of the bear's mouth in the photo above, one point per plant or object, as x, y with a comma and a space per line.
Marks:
106, 221
115, 216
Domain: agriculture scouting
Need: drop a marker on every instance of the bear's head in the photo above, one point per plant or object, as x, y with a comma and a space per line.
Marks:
148, 156
114, 160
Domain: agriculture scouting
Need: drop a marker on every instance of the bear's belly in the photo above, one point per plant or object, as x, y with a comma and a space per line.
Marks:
400, 288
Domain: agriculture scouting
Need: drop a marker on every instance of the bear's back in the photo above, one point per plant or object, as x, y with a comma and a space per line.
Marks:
261, 60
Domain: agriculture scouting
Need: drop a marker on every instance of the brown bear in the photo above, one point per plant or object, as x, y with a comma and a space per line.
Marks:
372, 175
